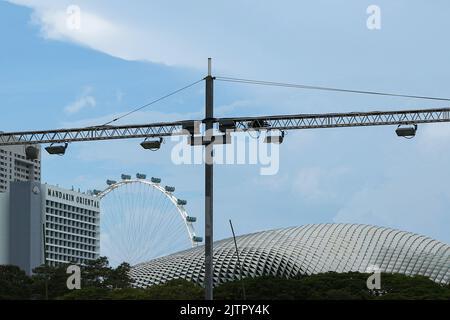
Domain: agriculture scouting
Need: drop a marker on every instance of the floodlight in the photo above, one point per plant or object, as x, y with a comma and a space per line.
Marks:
58, 149
152, 144
227, 125
276, 139
406, 132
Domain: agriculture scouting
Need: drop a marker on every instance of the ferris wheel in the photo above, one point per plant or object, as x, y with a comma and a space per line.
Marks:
141, 220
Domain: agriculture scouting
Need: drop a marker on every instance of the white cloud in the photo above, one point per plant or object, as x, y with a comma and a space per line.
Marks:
84, 101
239, 35
95, 32
314, 40
116, 37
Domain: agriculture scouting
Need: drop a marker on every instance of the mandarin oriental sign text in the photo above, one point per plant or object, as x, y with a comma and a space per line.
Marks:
72, 198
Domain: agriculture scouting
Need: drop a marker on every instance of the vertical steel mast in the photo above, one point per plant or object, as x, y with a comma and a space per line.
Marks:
209, 176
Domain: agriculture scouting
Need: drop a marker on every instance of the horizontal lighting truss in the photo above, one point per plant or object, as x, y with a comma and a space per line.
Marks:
280, 122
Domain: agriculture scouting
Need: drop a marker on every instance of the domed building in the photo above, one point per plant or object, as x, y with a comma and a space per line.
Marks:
308, 249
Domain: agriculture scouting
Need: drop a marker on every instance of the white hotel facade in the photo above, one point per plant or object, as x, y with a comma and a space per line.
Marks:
71, 226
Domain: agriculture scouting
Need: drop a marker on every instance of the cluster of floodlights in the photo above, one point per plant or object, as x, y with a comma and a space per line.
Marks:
225, 126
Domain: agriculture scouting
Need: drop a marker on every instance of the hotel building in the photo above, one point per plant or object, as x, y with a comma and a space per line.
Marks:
48, 224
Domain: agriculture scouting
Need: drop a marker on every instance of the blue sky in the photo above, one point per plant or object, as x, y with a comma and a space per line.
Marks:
124, 56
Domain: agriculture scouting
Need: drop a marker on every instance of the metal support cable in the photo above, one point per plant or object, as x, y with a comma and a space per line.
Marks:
310, 87
152, 102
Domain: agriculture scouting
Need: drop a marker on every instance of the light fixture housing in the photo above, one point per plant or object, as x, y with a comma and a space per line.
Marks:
227, 125
275, 139
406, 132
57, 150
152, 144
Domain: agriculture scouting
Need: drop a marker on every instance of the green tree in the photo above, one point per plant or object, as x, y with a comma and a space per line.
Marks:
177, 289
119, 278
336, 286
89, 293
266, 287
95, 273
100, 281
49, 282
398, 286
14, 283
171, 290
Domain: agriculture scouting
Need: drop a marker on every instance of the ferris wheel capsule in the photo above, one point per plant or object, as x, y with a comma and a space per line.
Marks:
155, 180
169, 189
140, 176
191, 219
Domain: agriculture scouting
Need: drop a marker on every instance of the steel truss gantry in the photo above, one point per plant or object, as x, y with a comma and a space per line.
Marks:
278, 122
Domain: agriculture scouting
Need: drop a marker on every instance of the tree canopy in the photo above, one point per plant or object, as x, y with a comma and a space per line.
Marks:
99, 281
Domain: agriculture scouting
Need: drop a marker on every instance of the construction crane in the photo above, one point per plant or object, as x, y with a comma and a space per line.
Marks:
405, 120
